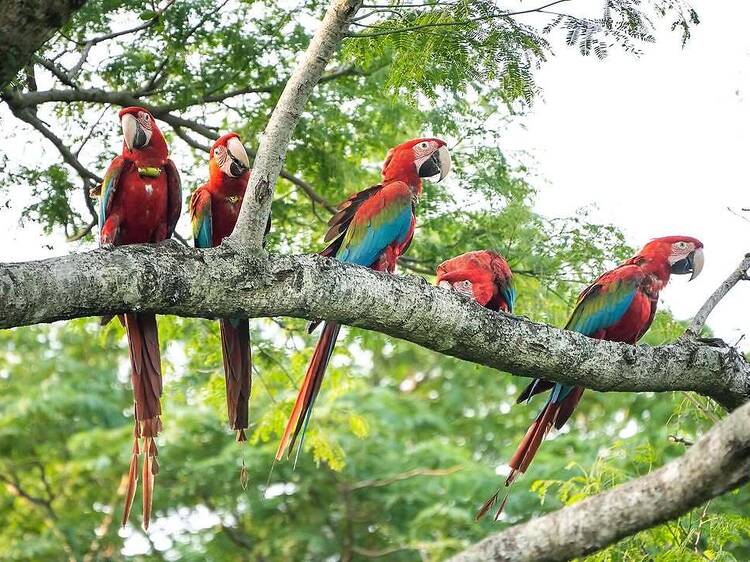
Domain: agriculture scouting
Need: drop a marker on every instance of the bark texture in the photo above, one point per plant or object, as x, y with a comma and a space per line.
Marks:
255, 210
24, 27
172, 279
717, 463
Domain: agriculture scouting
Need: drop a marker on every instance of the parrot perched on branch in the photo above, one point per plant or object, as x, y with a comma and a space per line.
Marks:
214, 208
483, 275
619, 306
371, 228
140, 202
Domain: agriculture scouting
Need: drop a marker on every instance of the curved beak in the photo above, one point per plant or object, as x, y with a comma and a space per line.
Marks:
239, 162
697, 263
438, 163
135, 137
692, 264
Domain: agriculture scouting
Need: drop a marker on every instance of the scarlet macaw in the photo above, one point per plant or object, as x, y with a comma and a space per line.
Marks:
619, 306
140, 203
483, 275
214, 208
371, 228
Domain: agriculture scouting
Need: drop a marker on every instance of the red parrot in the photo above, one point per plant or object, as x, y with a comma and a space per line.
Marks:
483, 275
140, 203
214, 208
619, 306
371, 228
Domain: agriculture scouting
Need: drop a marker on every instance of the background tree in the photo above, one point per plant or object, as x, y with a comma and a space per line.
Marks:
406, 440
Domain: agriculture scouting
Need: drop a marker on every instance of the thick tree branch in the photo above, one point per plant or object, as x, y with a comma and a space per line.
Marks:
700, 318
173, 279
24, 27
256, 208
716, 464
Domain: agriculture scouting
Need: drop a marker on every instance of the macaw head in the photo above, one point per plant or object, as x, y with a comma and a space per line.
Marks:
228, 157
415, 159
672, 254
483, 276
141, 133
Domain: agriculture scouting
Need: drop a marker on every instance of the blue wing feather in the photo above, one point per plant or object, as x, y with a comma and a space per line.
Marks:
200, 213
376, 240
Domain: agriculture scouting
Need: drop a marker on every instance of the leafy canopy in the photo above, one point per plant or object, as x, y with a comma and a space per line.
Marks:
405, 442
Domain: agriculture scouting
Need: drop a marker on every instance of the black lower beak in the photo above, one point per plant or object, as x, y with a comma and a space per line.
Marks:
140, 139
237, 168
431, 166
684, 266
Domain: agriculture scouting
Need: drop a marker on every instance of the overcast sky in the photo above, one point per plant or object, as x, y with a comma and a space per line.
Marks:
659, 145
656, 145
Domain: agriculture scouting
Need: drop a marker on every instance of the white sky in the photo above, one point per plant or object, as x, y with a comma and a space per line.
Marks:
657, 145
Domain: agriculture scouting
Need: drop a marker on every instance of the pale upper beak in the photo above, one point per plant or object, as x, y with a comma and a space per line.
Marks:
239, 163
439, 162
133, 134
444, 161
697, 263
692, 263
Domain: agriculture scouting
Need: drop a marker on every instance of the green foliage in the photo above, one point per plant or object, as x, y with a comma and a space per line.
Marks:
710, 532
405, 443
434, 46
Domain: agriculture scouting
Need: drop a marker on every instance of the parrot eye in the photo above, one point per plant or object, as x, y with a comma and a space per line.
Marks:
681, 245
424, 145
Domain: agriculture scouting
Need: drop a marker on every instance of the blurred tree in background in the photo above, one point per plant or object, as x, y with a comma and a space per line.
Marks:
407, 443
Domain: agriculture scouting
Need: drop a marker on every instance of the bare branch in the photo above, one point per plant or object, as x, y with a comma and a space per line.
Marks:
699, 320
248, 232
68, 156
716, 464
170, 278
77, 235
378, 483
190, 141
57, 71
89, 43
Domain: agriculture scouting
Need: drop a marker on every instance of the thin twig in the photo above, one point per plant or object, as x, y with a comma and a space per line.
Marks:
449, 23
378, 483
700, 318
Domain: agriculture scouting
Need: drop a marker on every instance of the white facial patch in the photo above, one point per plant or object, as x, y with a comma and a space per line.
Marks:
680, 250
422, 151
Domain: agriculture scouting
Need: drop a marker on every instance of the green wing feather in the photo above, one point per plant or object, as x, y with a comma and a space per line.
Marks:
605, 301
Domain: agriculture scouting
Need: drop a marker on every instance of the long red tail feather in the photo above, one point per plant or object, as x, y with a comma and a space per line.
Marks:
145, 376
310, 386
554, 414
235, 348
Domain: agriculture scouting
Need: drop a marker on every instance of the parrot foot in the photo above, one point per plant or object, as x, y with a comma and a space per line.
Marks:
109, 246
